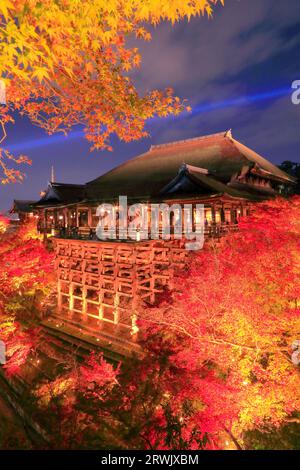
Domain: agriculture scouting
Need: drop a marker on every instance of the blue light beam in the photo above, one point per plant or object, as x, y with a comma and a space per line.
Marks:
197, 109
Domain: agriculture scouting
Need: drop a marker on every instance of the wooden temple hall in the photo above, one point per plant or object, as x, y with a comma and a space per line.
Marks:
101, 283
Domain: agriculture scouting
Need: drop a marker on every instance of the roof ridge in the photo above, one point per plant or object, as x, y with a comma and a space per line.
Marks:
193, 139
24, 200
53, 183
196, 169
254, 157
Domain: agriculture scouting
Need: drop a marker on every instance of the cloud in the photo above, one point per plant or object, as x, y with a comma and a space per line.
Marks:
193, 56
246, 48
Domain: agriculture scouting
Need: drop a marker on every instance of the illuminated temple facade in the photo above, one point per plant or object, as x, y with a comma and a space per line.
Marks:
102, 283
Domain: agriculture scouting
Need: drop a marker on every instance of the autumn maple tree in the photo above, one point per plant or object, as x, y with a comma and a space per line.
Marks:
66, 63
26, 268
99, 406
235, 317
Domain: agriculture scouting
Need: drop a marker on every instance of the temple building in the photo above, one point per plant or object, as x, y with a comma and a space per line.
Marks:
24, 209
217, 170
101, 283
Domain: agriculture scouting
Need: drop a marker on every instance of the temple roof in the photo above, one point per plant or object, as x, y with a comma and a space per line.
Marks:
62, 193
146, 175
22, 205
202, 166
192, 180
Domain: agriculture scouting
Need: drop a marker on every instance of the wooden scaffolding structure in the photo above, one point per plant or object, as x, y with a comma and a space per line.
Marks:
108, 280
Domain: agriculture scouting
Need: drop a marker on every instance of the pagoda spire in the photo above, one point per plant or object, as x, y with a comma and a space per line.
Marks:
52, 175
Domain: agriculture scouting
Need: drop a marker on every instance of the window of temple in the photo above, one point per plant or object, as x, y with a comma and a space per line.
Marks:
72, 218
95, 217
61, 219
218, 216
83, 218
208, 215
227, 214
175, 219
177, 216
107, 219
50, 219
197, 217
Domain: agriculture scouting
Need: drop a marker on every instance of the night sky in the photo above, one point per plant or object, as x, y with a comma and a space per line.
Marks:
236, 70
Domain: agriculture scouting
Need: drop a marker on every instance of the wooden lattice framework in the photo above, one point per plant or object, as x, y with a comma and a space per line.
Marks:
108, 280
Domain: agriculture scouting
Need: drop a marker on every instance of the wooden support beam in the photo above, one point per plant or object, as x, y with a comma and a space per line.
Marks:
120, 274
71, 297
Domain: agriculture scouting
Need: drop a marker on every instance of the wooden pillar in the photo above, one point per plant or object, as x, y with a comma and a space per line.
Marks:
55, 219
232, 215
213, 220
84, 302
100, 284
65, 218
45, 225
134, 327
134, 301
116, 308
227, 215
100, 310
76, 217
71, 297
90, 217
213, 214
149, 218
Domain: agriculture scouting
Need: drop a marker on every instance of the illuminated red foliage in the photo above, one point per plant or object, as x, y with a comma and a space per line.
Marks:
26, 267
235, 316
4, 222
25, 277
217, 350
96, 376
19, 344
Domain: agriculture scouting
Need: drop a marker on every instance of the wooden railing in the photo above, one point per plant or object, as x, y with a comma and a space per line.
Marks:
87, 233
